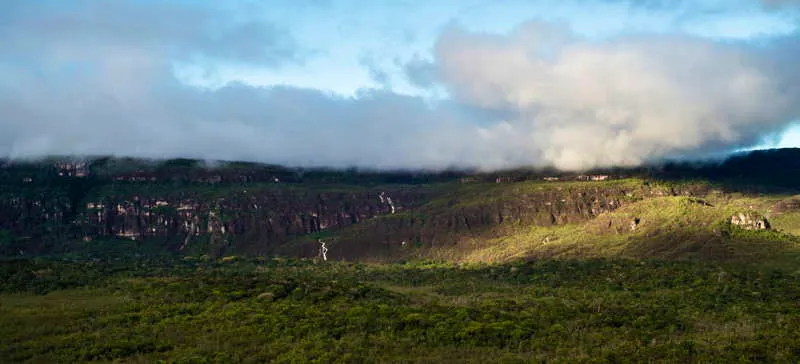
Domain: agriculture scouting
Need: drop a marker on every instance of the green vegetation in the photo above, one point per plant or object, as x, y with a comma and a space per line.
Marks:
688, 220
648, 268
259, 309
789, 222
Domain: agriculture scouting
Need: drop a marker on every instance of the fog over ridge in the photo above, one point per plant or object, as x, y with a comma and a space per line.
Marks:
105, 84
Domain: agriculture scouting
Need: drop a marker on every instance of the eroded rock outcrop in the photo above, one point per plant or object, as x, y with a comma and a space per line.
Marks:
750, 221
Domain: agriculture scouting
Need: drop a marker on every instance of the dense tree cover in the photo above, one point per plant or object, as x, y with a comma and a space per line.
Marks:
195, 309
737, 299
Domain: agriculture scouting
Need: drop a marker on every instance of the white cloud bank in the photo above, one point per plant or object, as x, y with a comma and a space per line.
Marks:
624, 101
98, 79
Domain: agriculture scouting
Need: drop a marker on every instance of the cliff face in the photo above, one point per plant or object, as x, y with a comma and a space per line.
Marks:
247, 209
461, 216
251, 220
259, 212
35, 211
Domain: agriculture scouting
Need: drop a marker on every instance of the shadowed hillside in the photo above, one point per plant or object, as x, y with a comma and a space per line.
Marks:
674, 210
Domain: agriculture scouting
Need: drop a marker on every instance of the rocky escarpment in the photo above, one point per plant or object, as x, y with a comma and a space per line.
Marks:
189, 205
261, 218
788, 205
38, 212
251, 220
44, 213
750, 221
259, 210
463, 215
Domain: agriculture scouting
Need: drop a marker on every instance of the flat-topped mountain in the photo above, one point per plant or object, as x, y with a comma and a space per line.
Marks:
671, 210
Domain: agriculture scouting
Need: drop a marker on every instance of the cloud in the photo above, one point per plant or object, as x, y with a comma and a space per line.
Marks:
379, 75
84, 30
240, 122
624, 101
98, 78
420, 72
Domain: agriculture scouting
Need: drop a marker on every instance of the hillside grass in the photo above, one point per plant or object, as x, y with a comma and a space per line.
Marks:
673, 227
788, 222
275, 310
458, 195
670, 226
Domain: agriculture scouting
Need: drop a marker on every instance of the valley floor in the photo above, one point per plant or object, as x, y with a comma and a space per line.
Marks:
275, 310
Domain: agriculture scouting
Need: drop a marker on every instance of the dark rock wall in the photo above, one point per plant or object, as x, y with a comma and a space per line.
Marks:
249, 219
258, 210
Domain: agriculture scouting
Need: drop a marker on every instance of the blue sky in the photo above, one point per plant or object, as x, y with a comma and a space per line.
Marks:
346, 38
399, 83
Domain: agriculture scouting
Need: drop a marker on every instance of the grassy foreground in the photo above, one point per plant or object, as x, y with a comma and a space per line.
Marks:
274, 310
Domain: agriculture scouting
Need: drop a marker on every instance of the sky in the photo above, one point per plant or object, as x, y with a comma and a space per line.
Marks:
411, 84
